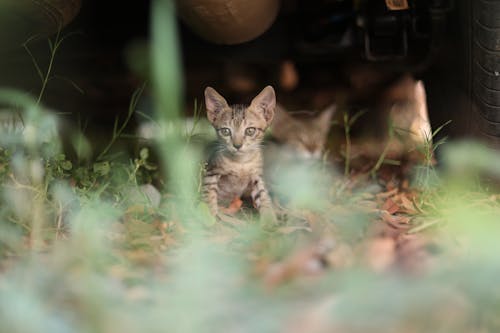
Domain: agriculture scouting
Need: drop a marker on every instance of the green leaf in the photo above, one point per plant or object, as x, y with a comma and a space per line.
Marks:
60, 157
355, 117
144, 153
150, 167
67, 165
102, 168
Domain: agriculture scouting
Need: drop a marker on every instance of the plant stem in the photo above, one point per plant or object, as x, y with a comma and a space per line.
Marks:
347, 130
46, 77
348, 122
117, 132
381, 158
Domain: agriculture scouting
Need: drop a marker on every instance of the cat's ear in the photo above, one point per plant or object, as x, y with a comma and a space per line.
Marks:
421, 100
265, 102
324, 119
214, 103
281, 123
419, 91
423, 113
281, 116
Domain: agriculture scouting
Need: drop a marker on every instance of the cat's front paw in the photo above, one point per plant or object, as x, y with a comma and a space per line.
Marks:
229, 219
268, 217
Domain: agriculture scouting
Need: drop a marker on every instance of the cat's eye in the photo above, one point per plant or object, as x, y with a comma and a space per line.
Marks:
250, 131
225, 131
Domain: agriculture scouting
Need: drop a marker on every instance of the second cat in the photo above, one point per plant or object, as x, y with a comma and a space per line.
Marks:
293, 156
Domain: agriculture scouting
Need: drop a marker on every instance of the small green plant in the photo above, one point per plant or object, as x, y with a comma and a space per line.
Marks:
47, 75
348, 123
197, 115
381, 160
119, 129
427, 177
431, 145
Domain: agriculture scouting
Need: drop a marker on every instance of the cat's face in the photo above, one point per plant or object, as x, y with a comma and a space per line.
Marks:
305, 136
240, 129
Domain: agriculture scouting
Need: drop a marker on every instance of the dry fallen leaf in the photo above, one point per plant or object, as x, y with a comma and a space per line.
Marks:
381, 253
308, 261
388, 194
390, 206
397, 221
407, 205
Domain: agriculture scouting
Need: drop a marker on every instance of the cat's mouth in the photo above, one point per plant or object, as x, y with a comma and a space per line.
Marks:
237, 152
241, 151
315, 155
247, 149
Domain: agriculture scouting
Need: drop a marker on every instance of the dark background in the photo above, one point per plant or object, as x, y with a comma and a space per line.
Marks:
97, 59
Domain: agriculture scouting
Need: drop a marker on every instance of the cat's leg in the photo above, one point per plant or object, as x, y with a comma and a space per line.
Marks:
261, 199
210, 191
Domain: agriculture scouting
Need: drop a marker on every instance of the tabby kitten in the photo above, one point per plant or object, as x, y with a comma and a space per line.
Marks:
234, 169
293, 168
303, 134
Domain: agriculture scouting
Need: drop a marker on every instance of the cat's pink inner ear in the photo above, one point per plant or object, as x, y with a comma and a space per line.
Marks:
265, 101
327, 114
421, 100
214, 103
420, 92
324, 119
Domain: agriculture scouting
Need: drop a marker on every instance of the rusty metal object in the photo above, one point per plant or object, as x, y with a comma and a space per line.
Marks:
228, 21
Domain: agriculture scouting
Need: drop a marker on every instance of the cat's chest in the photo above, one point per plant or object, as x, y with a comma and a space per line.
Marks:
234, 184
239, 173
236, 177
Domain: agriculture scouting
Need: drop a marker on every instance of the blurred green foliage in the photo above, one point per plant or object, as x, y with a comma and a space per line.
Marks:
81, 252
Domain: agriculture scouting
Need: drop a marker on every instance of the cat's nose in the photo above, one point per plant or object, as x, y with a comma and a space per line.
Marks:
237, 146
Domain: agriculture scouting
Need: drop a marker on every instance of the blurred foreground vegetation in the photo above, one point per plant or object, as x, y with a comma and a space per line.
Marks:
88, 246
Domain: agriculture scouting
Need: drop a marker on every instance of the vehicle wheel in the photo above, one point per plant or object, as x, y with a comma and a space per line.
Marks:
485, 65
463, 84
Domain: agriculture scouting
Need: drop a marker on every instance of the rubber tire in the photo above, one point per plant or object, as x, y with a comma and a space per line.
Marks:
485, 66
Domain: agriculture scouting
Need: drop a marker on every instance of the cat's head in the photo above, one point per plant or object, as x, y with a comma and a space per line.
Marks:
240, 128
408, 111
304, 133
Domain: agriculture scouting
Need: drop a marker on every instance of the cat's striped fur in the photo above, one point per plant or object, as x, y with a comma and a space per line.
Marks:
234, 168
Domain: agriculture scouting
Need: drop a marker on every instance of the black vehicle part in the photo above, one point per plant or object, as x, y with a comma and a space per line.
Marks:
385, 32
485, 65
463, 80
385, 38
